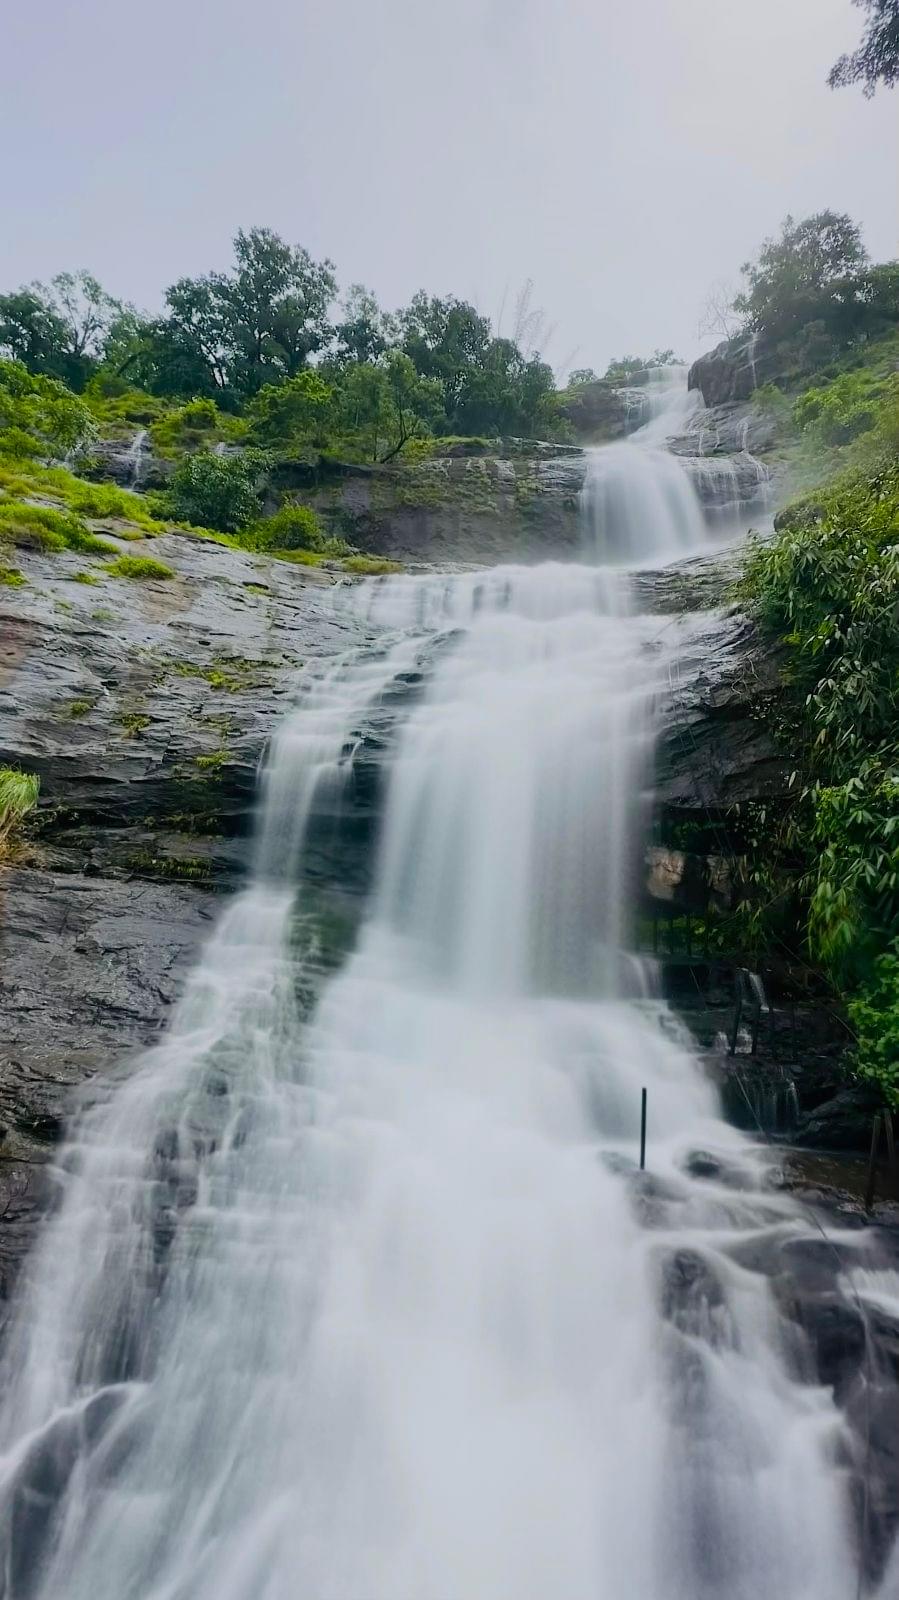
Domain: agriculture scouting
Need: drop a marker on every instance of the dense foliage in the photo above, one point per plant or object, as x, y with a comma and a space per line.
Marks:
877, 58
39, 414
265, 340
628, 369
811, 296
828, 585
221, 492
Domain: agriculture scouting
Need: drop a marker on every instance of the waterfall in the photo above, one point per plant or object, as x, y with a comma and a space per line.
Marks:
372, 1304
638, 501
134, 460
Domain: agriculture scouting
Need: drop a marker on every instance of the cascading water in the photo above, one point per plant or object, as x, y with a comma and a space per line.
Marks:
135, 458
639, 502
373, 1305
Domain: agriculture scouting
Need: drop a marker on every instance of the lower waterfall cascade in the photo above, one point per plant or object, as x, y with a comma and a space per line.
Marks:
369, 1301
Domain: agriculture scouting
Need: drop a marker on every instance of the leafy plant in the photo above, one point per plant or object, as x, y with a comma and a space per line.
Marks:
828, 584
220, 492
143, 568
294, 527
874, 1018
39, 414
44, 528
18, 795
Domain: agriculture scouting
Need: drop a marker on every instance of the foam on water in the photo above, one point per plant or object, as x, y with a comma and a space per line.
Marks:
361, 1307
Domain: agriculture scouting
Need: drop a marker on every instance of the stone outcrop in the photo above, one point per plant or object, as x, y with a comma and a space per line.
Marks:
733, 370
596, 412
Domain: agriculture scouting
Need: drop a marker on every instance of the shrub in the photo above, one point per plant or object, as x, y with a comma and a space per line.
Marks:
37, 527
41, 409
11, 577
828, 584
45, 528
191, 426
18, 796
297, 411
218, 492
838, 412
874, 1017
141, 567
293, 527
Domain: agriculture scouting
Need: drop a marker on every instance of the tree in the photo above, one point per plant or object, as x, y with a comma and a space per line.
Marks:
61, 329
382, 405
415, 402
718, 315
31, 330
814, 271
196, 326
274, 307
364, 331
260, 321
298, 410
86, 310
506, 393
219, 492
444, 339
39, 415
582, 375
877, 58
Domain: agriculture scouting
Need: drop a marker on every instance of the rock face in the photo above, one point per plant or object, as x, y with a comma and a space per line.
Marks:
730, 429
129, 463
715, 747
732, 371
597, 412
145, 708
522, 504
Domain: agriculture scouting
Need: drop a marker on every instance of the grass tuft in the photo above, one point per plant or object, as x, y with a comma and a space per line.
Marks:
143, 568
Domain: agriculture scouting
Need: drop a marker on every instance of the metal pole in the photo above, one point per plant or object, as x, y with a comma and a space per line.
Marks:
643, 1131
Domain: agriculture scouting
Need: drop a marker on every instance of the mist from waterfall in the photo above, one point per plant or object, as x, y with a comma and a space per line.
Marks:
372, 1304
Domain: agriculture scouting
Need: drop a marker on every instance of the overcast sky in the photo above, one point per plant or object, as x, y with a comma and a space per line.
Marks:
623, 154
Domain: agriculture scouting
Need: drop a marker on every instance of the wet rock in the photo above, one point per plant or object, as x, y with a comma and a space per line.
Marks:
693, 1299
710, 1168
841, 1123
733, 370
522, 505
727, 430
687, 882
116, 459
715, 746
597, 412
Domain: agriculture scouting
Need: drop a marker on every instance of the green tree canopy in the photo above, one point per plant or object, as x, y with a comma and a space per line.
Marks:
626, 368
877, 58
60, 329
446, 340
813, 271
299, 410
364, 331
39, 415
262, 320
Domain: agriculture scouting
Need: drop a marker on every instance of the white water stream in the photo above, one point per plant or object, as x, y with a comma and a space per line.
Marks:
369, 1307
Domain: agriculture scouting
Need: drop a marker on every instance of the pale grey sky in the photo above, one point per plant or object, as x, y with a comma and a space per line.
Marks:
622, 154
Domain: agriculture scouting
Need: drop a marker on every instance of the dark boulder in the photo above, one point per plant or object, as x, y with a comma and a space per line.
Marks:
733, 370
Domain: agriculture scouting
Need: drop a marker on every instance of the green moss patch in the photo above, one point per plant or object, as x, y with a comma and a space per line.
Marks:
143, 568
